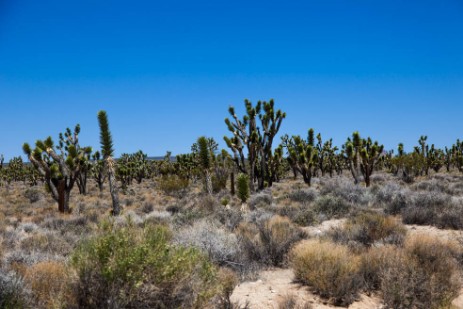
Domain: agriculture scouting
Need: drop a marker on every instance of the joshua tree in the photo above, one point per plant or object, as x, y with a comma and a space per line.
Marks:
60, 171
107, 151
205, 162
270, 121
72, 138
16, 170
244, 135
326, 155
448, 157
362, 154
257, 140
98, 170
302, 155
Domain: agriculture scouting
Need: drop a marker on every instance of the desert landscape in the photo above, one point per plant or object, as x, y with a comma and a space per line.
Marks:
303, 225
231, 154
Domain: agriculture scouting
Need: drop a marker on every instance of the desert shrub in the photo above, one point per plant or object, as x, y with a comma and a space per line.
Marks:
345, 189
174, 208
373, 262
48, 242
207, 202
303, 196
424, 275
173, 185
32, 194
230, 218
291, 301
299, 214
433, 208
220, 245
380, 178
147, 207
268, 241
131, 267
77, 225
228, 281
436, 185
219, 182
189, 216
27, 227
331, 206
392, 197
13, 292
21, 259
368, 228
451, 218
330, 269
50, 285
261, 200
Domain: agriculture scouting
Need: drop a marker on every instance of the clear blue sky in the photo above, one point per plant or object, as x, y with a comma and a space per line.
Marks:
166, 71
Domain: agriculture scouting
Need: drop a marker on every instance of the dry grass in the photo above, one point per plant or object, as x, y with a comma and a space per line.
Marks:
330, 269
50, 284
369, 228
424, 275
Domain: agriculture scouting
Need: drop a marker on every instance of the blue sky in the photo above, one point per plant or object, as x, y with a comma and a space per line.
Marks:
167, 71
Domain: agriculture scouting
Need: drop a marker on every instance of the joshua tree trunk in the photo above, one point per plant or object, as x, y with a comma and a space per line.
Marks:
232, 183
82, 182
113, 187
208, 182
63, 196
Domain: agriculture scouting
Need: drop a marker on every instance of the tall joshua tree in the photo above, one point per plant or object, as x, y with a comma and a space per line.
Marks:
258, 140
107, 151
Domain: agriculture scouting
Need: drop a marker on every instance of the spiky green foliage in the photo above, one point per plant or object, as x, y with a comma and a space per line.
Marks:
106, 140
204, 155
205, 159
108, 152
243, 187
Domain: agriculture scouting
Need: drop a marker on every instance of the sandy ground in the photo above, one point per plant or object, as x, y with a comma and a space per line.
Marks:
273, 285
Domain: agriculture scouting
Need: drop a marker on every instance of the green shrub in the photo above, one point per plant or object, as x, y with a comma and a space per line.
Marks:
133, 267
243, 187
269, 241
331, 206
173, 185
32, 194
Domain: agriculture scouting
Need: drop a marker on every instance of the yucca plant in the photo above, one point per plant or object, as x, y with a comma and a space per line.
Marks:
107, 151
243, 187
205, 161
